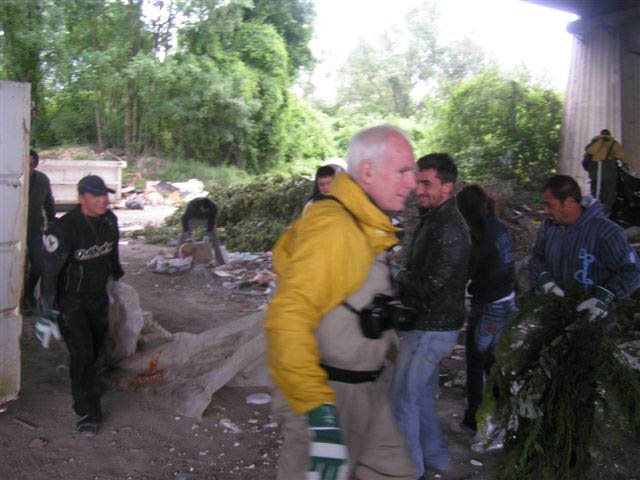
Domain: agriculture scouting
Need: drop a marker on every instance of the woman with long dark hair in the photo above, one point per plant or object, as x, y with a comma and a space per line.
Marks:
492, 290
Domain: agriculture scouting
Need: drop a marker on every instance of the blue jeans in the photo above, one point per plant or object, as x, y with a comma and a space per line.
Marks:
486, 323
413, 393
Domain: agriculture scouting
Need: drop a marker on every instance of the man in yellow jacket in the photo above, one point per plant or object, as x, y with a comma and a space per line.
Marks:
331, 395
600, 160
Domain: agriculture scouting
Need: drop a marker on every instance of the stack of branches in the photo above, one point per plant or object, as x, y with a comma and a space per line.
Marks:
547, 392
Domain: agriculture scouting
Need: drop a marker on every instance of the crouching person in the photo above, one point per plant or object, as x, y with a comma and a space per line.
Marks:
81, 254
201, 212
332, 386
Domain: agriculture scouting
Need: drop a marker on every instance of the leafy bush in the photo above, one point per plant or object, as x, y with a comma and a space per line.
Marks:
252, 216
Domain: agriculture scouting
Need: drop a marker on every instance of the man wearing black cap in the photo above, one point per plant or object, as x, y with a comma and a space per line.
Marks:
81, 253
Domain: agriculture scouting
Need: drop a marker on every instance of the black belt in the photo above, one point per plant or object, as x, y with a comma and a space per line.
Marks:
351, 376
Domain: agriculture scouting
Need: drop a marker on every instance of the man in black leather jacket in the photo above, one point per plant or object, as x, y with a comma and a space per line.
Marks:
433, 284
81, 253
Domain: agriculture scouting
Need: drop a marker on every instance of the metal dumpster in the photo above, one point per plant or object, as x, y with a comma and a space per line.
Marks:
64, 176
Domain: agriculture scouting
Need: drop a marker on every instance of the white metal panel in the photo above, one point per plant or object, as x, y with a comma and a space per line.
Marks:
65, 174
14, 147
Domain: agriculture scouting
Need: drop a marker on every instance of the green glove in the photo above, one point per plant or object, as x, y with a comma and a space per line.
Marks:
546, 284
47, 327
598, 304
329, 457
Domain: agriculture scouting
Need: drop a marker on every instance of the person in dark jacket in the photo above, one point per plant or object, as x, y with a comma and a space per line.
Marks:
81, 254
601, 157
492, 290
433, 284
321, 184
201, 212
41, 208
580, 252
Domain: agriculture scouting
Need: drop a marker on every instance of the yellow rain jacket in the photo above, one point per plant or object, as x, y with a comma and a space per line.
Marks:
605, 147
324, 257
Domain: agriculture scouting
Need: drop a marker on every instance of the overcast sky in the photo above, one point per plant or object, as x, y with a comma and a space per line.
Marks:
514, 31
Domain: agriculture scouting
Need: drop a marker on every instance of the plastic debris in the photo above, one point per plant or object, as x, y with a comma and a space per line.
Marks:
229, 425
258, 398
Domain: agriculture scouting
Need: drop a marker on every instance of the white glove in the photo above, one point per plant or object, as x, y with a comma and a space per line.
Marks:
546, 284
598, 304
45, 329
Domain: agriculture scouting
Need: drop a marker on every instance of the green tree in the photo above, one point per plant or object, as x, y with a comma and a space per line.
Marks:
501, 127
384, 76
293, 20
23, 43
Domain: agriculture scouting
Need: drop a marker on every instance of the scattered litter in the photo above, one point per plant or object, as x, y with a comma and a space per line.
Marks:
134, 204
222, 273
229, 425
461, 379
162, 264
242, 257
476, 463
258, 398
631, 351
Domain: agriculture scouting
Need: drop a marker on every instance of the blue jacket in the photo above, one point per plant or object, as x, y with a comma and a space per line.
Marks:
492, 267
592, 252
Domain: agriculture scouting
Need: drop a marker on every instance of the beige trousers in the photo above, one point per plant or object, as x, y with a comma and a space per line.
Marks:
376, 448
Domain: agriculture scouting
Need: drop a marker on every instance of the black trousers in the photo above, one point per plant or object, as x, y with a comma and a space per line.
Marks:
608, 183
83, 325
33, 268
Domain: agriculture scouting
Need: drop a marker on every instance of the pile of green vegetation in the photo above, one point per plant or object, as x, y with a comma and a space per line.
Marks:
252, 215
549, 391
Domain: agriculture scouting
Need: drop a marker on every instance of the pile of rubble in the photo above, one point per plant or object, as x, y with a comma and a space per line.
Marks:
161, 193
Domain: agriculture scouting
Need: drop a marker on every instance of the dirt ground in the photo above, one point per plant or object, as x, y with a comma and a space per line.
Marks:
142, 439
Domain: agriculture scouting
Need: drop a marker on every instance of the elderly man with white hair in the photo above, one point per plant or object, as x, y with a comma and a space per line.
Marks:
327, 351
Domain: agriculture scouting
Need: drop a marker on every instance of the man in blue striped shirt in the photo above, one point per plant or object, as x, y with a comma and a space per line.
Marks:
580, 251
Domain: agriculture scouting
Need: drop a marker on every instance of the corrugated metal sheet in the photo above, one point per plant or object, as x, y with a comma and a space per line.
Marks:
15, 99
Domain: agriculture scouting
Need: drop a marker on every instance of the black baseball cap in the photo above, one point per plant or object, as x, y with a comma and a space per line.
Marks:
93, 184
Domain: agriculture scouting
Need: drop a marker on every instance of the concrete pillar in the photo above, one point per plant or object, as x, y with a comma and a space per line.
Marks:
593, 98
603, 90
631, 94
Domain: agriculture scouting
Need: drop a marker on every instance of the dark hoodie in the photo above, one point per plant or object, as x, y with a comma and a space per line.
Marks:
592, 252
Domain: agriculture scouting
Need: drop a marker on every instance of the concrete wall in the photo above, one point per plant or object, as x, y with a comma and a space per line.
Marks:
15, 99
